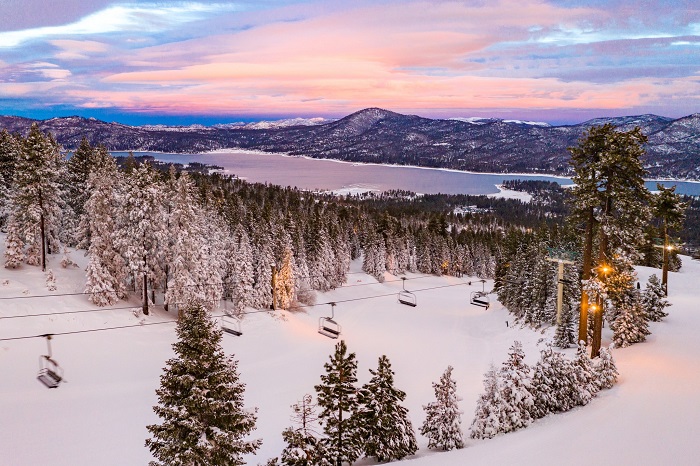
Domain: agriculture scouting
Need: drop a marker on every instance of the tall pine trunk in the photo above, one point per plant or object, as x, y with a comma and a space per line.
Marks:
586, 274
602, 260
145, 294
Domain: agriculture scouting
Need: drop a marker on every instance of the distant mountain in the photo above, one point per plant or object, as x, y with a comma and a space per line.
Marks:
381, 136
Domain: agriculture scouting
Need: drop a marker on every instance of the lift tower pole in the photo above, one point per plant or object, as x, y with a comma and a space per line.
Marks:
561, 257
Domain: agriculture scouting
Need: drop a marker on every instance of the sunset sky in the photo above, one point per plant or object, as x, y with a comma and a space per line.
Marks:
560, 61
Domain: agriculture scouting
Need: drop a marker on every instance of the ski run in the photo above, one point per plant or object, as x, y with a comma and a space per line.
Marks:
100, 413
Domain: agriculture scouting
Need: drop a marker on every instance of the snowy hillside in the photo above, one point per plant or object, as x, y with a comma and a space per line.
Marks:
99, 415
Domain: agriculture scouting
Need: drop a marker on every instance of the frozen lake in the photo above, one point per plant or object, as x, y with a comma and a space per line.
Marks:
333, 175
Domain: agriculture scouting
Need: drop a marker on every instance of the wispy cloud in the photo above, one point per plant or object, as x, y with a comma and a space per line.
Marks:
137, 17
332, 57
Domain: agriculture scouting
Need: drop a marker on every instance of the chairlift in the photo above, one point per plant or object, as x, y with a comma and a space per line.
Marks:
329, 327
231, 325
50, 373
405, 296
480, 298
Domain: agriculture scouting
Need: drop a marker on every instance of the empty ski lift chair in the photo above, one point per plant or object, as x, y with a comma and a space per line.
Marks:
480, 298
327, 326
231, 325
50, 373
405, 296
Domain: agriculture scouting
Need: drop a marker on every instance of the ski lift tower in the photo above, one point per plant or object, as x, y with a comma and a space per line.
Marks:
561, 256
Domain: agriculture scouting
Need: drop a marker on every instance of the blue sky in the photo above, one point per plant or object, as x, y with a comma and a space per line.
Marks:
208, 61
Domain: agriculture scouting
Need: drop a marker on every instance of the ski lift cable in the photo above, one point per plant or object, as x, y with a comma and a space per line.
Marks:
4, 298
383, 295
101, 329
119, 327
377, 283
44, 314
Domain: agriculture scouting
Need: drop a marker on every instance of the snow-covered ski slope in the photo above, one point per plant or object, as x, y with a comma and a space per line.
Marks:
99, 416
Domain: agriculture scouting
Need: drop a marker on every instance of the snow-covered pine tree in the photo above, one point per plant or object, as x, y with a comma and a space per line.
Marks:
303, 450
654, 300
553, 383
384, 422
50, 280
14, 246
565, 335
242, 274
337, 398
303, 446
190, 266
140, 233
9, 153
443, 419
584, 374
605, 368
487, 417
631, 325
106, 271
200, 400
78, 169
264, 262
516, 390
374, 260
542, 285
37, 198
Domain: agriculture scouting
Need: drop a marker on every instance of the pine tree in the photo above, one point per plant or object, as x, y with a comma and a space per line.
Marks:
263, 265
553, 383
631, 326
443, 418
584, 374
200, 400
50, 280
516, 390
37, 198
565, 335
609, 195
242, 274
337, 398
654, 301
385, 425
605, 369
670, 209
14, 246
141, 228
191, 266
106, 270
9, 153
303, 446
487, 417
85, 160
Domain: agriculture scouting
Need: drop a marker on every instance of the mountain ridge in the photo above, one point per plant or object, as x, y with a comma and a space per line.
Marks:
381, 136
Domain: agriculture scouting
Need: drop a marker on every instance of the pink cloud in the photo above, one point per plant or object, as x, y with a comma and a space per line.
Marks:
406, 56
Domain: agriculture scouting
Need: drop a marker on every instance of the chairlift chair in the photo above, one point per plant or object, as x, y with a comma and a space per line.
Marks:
231, 325
329, 327
405, 296
480, 298
50, 373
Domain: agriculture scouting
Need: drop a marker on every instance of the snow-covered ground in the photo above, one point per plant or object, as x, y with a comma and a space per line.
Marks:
99, 416
511, 194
